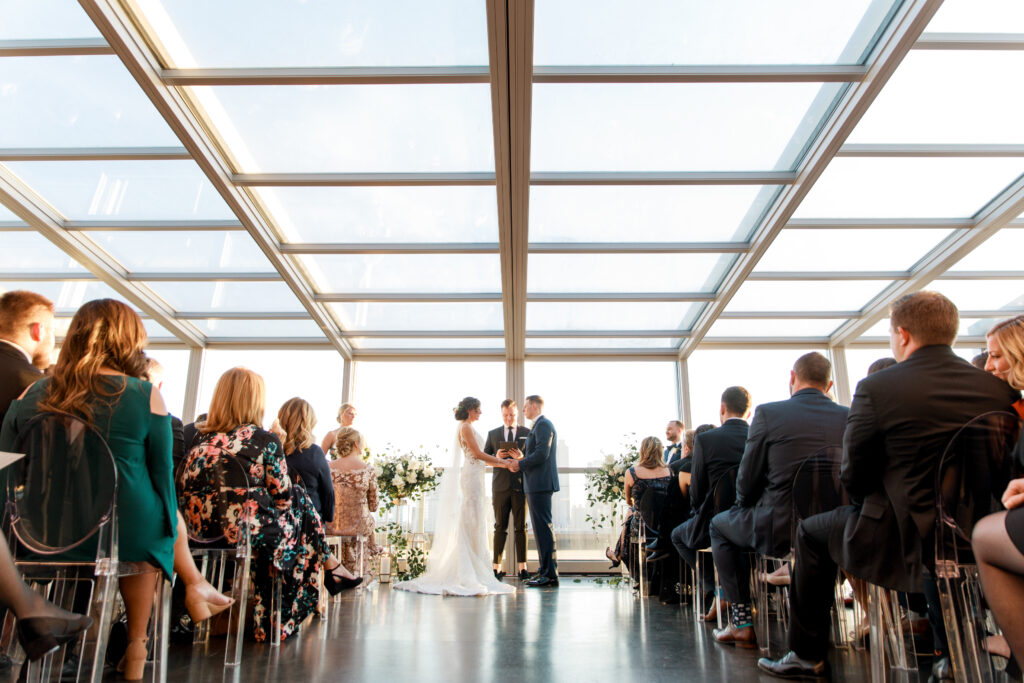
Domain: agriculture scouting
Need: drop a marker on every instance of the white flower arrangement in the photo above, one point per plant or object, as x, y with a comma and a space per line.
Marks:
605, 486
403, 476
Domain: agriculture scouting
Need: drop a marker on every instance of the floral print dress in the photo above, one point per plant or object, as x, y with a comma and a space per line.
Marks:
355, 497
286, 533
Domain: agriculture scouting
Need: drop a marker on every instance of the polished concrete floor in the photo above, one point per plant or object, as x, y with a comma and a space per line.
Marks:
582, 631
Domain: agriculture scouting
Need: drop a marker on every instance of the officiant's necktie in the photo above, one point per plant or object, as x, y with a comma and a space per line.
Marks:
510, 437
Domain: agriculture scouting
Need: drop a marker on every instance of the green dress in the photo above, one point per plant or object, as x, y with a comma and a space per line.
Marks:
141, 444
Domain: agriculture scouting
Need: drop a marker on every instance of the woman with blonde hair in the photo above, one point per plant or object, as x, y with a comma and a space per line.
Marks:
346, 416
97, 378
355, 496
649, 473
306, 461
286, 533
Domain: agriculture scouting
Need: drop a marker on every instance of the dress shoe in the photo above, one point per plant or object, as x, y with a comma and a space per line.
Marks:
657, 556
740, 637
41, 635
615, 560
199, 601
791, 666
335, 584
524, 575
712, 614
542, 582
5, 664
133, 664
498, 574
942, 670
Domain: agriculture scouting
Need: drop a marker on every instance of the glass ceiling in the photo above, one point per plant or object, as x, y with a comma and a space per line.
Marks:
352, 174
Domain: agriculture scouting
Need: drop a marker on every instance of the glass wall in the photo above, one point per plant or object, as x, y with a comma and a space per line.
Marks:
175, 362
313, 375
763, 372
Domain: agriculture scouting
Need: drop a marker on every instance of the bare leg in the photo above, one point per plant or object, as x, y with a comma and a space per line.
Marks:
1002, 576
185, 567
138, 591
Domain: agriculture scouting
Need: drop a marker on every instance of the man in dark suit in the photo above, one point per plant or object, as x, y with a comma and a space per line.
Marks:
900, 422
674, 433
26, 342
507, 495
540, 480
782, 435
715, 452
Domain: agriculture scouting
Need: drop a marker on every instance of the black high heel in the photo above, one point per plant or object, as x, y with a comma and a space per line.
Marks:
40, 636
335, 584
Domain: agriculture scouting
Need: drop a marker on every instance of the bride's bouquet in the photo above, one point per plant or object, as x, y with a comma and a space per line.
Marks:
606, 485
404, 476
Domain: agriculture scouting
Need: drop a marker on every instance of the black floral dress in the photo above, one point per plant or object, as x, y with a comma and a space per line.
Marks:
286, 533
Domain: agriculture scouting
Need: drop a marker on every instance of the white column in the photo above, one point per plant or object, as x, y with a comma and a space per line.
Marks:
840, 375
193, 379
683, 392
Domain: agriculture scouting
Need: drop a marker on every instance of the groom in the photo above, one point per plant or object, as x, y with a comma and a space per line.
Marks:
540, 480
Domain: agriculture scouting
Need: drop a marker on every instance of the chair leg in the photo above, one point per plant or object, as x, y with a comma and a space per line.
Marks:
275, 612
236, 620
759, 592
700, 608
161, 630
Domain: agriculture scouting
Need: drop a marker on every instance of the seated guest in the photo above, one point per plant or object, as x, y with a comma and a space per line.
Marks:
715, 453
97, 378
346, 416
899, 424
674, 433
649, 474
305, 459
881, 364
1005, 355
355, 497
981, 360
782, 435
26, 342
286, 533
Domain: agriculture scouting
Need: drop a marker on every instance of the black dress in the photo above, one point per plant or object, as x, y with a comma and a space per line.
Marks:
631, 526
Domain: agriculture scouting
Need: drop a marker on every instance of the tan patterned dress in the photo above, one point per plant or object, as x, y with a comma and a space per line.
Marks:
355, 497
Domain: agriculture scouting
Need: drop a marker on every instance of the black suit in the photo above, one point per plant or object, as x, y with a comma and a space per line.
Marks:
782, 435
16, 374
715, 452
507, 495
900, 422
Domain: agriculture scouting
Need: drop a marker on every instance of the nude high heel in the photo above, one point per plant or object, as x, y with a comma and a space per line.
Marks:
133, 664
199, 607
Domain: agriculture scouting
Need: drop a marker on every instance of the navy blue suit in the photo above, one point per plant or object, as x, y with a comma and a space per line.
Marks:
540, 480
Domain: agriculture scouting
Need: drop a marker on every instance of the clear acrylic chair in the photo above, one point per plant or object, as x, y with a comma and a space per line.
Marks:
970, 479
61, 502
223, 543
723, 496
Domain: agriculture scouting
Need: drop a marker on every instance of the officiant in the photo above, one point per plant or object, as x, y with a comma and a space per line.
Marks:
507, 489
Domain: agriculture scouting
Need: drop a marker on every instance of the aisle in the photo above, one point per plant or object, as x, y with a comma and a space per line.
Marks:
579, 632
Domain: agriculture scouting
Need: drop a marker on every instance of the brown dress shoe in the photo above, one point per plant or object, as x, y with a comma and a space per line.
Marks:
712, 614
740, 637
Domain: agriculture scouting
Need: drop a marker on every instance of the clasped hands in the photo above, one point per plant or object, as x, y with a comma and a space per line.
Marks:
512, 456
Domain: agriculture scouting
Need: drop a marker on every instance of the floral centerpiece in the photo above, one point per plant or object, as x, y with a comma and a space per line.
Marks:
403, 477
605, 486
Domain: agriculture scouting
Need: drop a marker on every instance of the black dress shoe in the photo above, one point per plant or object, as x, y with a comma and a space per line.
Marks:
657, 556
524, 575
542, 582
40, 636
5, 664
498, 574
335, 584
791, 666
942, 670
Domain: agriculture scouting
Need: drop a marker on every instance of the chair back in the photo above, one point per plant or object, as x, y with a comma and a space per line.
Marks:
651, 505
973, 472
723, 495
816, 486
221, 482
64, 491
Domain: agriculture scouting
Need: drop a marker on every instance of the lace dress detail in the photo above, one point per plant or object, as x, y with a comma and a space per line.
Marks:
355, 497
464, 569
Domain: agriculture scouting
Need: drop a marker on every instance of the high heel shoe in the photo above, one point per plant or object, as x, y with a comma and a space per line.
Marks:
335, 584
611, 556
133, 664
41, 635
199, 607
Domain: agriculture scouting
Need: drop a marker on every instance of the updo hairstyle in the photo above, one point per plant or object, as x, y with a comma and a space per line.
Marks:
346, 442
465, 405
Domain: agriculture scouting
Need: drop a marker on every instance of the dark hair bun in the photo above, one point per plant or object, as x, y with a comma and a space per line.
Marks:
465, 405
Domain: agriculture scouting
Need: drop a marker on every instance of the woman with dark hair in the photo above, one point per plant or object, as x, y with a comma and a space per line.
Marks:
460, 558
97, 378
286, 533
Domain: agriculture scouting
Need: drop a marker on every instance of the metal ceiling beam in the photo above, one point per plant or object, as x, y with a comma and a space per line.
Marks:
348, 75
663, 178
406, 297
786, 315
208, 276
897, 39
32, 209
418, 297
391, 248
810, 275
360, 179
129, 43
970, 41
930, 150
991, 219
699, 73
878, 223
54, 47
147, 226
638, 247
93, 153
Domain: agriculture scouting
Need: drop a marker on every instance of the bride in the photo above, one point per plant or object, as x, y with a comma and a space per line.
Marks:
459, 561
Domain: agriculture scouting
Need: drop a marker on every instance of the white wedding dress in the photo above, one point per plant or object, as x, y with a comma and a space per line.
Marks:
459, 560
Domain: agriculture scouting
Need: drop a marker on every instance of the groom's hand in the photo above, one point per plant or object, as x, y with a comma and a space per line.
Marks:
513, 466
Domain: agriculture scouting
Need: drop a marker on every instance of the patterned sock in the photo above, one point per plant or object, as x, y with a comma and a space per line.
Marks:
742, 615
